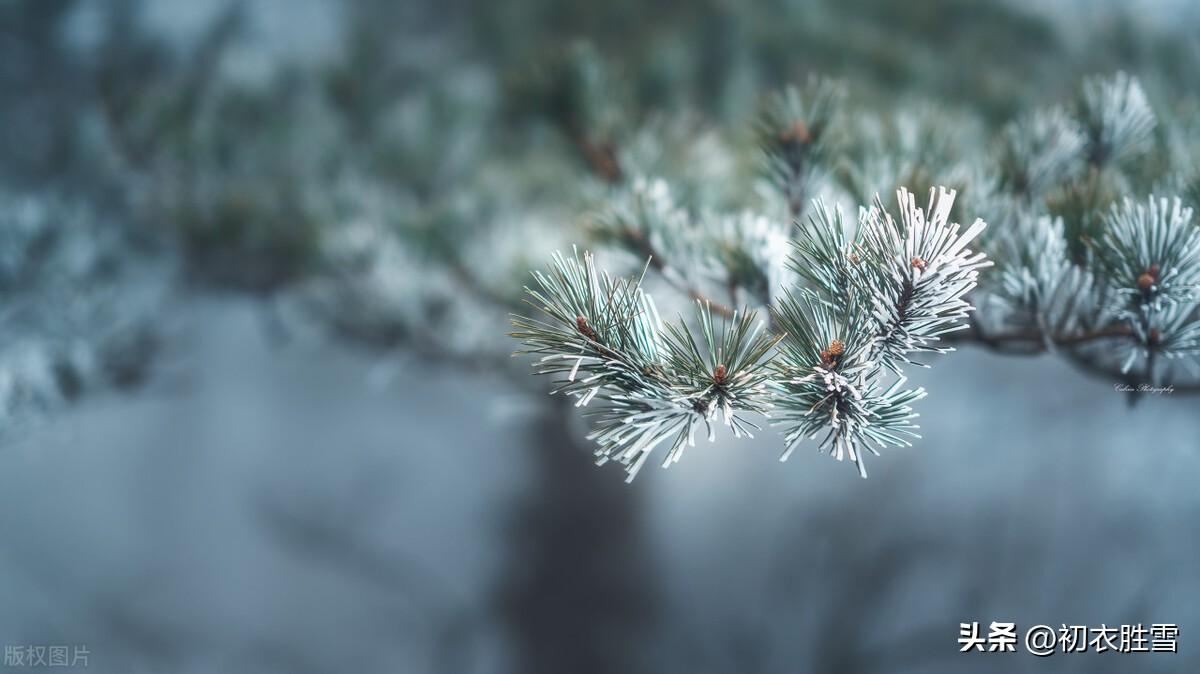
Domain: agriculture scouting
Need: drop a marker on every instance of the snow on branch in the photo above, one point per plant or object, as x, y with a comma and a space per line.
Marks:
1108, 282
834, 369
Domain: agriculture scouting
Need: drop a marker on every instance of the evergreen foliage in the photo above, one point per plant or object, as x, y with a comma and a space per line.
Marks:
392, 195
1110, 283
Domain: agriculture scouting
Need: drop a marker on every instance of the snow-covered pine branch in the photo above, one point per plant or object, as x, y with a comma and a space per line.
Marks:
1117, 118
834, 371
793, 131
1150, 257
888, 292
1110, 284
652, 383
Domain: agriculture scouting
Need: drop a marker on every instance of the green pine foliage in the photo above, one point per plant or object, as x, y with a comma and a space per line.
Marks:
1074, 262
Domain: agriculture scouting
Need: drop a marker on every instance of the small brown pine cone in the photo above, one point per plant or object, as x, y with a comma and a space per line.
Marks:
719, 373
800, 131
1145, 281
836, 347
584, 329
830, 354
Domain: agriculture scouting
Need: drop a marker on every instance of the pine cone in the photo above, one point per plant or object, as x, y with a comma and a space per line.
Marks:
719, 373
584, 329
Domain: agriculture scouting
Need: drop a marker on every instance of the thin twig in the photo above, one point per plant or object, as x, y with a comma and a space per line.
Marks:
1035, 340
601, 157
647, 250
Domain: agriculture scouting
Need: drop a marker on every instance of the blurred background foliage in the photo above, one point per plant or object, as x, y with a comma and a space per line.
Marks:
384, 174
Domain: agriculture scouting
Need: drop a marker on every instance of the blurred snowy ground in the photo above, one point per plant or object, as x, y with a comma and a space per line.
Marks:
267, 508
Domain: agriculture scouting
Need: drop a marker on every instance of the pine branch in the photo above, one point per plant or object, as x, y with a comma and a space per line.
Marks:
834, 371
656, 263
1117, 119
793, 132
645, 219
600, 156
652, 383
1116, 293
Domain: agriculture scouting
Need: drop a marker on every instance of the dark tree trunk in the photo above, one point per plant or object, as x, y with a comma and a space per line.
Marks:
577, 595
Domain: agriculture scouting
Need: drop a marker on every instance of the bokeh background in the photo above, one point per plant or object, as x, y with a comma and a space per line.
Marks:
259, 414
